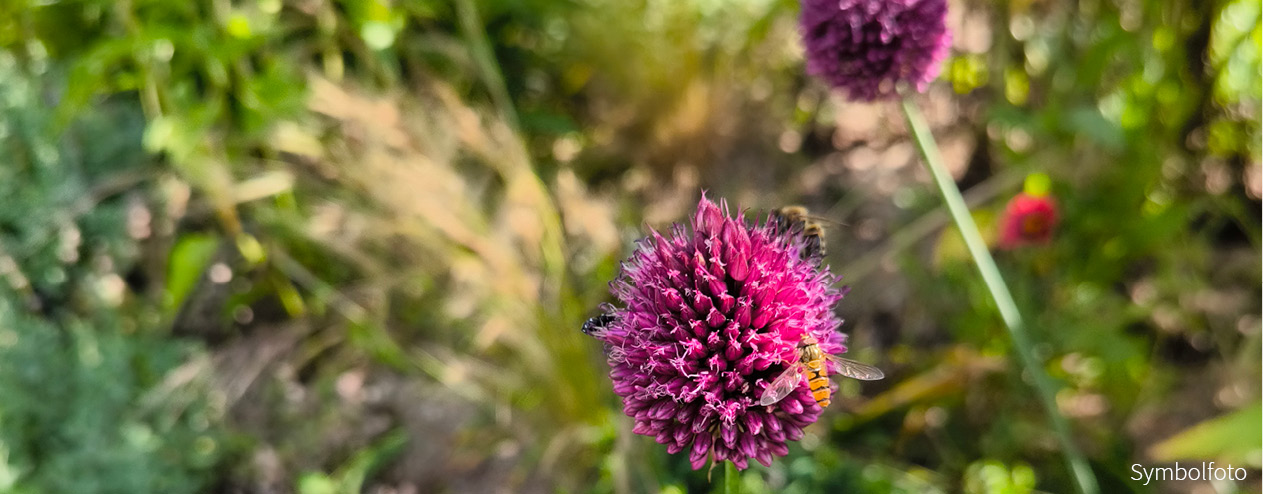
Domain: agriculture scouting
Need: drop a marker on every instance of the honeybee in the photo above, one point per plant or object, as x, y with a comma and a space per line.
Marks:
796, 219
595, 323
811, 363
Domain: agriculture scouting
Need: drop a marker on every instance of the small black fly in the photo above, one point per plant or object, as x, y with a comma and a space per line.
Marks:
596, 323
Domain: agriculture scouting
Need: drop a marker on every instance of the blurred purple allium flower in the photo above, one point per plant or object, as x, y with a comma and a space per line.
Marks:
866, 47
710, 317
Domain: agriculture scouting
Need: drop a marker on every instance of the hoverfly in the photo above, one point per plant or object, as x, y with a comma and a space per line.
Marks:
795, 219
811, 363
811, 360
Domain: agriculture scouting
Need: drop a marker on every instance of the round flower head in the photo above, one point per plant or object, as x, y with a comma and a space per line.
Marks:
1028, 219
710, 317
867, 47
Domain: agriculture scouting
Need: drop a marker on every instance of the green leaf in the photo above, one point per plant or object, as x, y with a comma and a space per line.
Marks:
351, 476
1037, 185
354, 474
316, 483
1089, 122
377, 35
994, 477
189, 258
239, 26
1231, 438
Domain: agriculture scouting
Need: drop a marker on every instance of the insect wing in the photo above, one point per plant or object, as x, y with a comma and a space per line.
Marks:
782, 386
853, 369
789, 216
822, 219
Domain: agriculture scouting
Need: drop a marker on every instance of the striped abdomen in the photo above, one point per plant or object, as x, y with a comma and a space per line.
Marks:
817, 374
818, 379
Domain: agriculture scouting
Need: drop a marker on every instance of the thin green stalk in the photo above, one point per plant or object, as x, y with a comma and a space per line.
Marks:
1082, 473
732, 482
476, 35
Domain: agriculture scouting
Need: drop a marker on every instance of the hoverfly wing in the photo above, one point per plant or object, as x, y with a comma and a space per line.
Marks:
782, 386
856, 370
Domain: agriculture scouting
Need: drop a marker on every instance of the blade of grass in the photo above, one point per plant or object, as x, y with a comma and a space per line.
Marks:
476, 35
1085, 481
731, 480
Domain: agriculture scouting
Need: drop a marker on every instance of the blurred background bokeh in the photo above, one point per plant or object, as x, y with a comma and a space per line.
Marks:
327, 246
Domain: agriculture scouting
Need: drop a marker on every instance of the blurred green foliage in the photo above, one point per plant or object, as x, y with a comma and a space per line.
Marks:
84, 359
991, 477
332, 246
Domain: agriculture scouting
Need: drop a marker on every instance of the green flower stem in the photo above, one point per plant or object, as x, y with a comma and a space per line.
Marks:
1082, 473
732, 482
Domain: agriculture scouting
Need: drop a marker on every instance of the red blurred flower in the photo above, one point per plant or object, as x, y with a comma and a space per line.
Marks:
1027, 220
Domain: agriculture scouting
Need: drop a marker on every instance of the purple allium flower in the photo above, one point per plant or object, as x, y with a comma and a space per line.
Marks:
867, 47
710, 318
